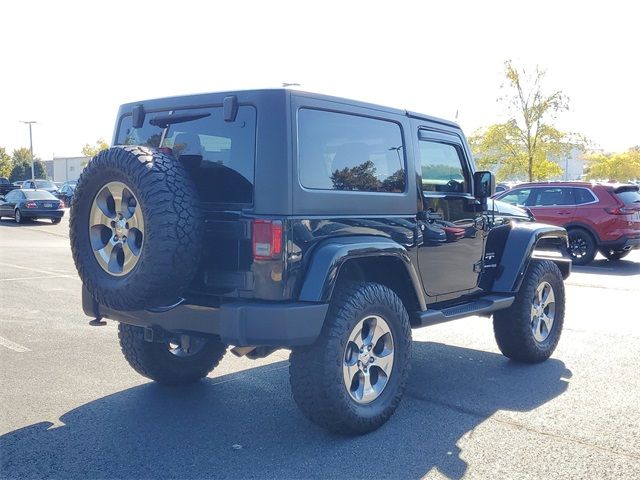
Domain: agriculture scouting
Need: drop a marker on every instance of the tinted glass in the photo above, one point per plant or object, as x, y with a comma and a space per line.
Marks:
39, 195
553, 196
347, 152
582, 196
45, 184
13, 196
629, 197
518, 196
441, 168
220, 154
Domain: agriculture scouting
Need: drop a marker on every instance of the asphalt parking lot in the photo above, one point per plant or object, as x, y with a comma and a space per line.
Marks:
73, 408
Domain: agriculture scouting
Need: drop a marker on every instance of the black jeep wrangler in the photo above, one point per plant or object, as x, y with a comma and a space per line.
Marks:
275, 219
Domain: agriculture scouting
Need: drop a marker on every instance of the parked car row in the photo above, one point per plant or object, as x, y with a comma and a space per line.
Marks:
598, 216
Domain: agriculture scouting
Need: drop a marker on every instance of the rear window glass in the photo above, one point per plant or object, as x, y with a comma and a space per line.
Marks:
45, 184
347, 152
629, 197
38, 195
221, 155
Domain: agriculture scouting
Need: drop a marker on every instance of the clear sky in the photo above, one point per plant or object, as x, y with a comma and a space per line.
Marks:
69, 65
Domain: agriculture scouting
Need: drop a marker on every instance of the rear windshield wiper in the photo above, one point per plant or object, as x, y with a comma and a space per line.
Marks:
163, 121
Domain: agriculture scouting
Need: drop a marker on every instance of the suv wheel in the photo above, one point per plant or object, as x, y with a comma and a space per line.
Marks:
530, 329
352, 379
180, 360
582, 246
614, 255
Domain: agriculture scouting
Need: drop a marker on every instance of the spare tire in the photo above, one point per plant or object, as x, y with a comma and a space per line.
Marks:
135, 228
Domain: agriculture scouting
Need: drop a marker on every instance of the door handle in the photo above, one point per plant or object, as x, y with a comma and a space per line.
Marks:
564, 213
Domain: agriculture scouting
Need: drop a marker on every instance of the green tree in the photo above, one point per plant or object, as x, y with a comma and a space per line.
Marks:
620, 167
6, 164
522, 146
93, 150
22, 170
21, 155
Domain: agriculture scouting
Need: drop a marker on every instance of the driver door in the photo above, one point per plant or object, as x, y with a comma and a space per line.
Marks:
450, 257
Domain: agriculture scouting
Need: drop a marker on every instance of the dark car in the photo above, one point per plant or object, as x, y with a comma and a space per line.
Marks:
66, 192
23, 204
6, 186
40, 184
601, 217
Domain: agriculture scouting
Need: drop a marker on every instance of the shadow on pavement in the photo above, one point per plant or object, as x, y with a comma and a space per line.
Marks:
246, 425
620, 268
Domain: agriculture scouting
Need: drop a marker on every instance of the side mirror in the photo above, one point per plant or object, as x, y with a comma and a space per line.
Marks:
484, 185
2, 198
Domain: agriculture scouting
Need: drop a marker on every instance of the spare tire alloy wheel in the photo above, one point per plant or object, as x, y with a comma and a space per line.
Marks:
368, 359
116, 228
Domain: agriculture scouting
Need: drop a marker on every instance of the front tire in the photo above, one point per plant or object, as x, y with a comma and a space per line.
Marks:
530, 329
582, 246
177, 361
56, 221
351, 380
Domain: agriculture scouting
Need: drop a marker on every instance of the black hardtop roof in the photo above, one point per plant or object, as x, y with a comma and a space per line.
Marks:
215, 97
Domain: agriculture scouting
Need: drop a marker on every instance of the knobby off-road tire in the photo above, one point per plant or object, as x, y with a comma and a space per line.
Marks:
166, 363
317, 373
520, 331
163, 198
582, 246
614, 255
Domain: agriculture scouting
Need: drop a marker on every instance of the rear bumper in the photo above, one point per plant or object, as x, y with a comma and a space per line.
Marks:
623, 243
239, 324
33, 213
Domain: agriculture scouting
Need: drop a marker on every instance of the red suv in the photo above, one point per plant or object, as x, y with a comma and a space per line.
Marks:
598, 216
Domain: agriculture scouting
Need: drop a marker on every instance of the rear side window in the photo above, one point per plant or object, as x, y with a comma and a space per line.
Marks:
553, 196
337, 151
221, 155
629, 197
582, 196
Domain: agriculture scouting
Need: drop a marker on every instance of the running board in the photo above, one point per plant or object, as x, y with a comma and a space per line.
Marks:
482, 306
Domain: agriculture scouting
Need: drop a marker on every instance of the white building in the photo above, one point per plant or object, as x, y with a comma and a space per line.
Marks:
66, 169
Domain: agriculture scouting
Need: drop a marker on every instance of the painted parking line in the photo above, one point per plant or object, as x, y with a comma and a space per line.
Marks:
38, 270
15, 279
13, 346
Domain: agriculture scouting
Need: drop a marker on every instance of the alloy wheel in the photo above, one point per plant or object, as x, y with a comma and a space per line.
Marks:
543, 310
368, 359
116, 229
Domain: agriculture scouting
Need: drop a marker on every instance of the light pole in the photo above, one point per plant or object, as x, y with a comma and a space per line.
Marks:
31, 122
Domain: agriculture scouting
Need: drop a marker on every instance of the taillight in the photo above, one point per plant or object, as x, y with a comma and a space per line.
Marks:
620, 210
267, 239
31, 205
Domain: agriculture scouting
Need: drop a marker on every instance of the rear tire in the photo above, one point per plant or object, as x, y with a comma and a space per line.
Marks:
614, 255
156, 361
56, 221
582, 246
530, 329
376, 371
18, 216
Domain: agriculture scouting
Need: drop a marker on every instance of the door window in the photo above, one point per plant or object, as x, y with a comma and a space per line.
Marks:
517, 196
442, 168
550, 196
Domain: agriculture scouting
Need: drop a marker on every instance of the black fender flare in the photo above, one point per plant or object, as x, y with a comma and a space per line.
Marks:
518, 250
331, 255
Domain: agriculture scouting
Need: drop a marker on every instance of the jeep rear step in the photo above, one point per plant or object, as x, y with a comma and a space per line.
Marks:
481, 306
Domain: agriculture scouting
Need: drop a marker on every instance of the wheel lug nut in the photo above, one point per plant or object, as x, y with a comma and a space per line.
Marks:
370, 359
369, 347
365, 369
